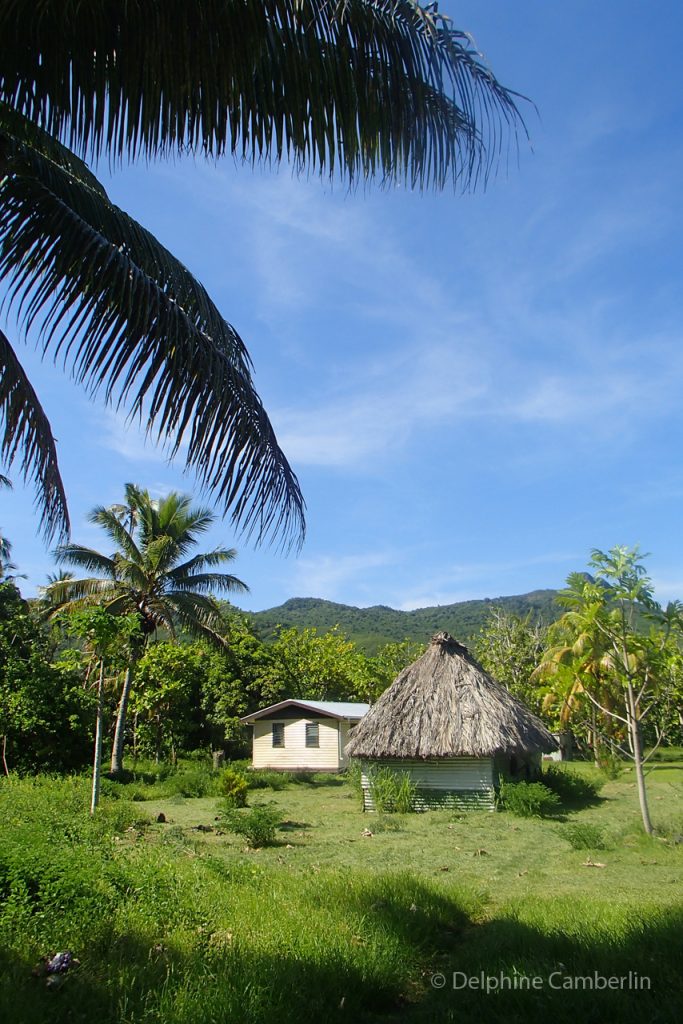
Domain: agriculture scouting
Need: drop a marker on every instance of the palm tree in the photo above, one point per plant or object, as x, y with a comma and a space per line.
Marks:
358, 88
149, 574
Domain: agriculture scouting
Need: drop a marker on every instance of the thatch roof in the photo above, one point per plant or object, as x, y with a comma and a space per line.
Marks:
446, 705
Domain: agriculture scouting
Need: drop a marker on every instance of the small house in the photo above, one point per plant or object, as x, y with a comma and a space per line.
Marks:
303, 735
452, 728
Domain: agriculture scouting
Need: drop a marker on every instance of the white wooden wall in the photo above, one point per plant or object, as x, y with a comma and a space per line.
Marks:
295, 754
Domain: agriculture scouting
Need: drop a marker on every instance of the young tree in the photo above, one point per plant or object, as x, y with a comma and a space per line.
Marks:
358, 88
151, 576
606, 608
104, 636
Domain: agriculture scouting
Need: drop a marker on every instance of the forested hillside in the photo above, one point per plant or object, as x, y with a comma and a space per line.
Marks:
370, 628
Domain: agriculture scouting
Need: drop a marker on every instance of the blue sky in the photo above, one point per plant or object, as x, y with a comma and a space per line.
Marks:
474, 390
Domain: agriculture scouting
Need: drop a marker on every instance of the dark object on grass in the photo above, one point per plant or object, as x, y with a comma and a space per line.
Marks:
54, 968
161, 818
60, 963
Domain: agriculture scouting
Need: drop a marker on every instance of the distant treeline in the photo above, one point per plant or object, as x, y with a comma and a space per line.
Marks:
371, 628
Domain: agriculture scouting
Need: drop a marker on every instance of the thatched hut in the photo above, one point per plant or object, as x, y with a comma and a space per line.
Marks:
452, 728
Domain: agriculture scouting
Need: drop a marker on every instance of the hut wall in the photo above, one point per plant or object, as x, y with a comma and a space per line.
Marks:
461, 782
518, 767
295, 754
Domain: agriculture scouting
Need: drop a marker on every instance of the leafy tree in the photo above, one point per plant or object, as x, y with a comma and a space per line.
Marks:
169, 680
149, 574
313, 666
355, 87
510, 646
46, 714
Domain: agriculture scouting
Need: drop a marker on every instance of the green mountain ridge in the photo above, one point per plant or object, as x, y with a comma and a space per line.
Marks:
374, 626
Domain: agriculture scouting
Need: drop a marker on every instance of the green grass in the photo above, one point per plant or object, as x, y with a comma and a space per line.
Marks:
172, 924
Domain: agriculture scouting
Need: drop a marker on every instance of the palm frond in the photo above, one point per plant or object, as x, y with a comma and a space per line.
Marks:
86, 558
109, 521
130, 321
27, 434
208, 582
210, 559
363, 86
74, 593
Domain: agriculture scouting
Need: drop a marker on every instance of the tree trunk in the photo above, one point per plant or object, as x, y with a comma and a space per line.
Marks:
97, 760
120, 732
596, 741
634, 735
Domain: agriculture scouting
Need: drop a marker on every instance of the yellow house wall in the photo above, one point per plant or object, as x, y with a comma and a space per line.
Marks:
295, 753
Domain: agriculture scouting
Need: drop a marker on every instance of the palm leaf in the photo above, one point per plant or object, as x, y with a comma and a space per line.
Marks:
109, 521
365, 86
27, 430
220, 556
208, 582
129, 320
86, 558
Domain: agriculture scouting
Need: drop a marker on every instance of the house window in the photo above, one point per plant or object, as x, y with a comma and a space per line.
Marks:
312, 734
278, 734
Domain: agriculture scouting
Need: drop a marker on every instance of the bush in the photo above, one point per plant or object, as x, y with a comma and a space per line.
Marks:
571, 787
528, 799
266, 778
392, 791
354, 777
233, 786
257, 825
611, 766
584, 836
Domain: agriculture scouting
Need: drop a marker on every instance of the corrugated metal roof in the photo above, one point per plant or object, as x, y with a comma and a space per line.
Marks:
335, 708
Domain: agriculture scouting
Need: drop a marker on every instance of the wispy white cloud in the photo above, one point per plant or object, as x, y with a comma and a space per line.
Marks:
128, 439
471, 581
324, 575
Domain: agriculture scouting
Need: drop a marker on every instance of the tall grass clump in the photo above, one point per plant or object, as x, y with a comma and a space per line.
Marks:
584, 835
528, 799
391, 791
354, 777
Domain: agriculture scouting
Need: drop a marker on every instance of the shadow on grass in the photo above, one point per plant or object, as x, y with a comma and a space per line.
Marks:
534, 975
401, 935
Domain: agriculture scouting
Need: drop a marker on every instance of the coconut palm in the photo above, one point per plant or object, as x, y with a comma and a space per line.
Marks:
354, 87
151, 573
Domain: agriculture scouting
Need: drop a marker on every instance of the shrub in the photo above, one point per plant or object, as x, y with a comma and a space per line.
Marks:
528, 799
233, 786
265, 778
571, 787
392, 791
257, 825
354, 777
584, 836
611, 766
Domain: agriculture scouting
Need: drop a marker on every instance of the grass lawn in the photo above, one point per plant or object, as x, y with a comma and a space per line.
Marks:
180, 922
